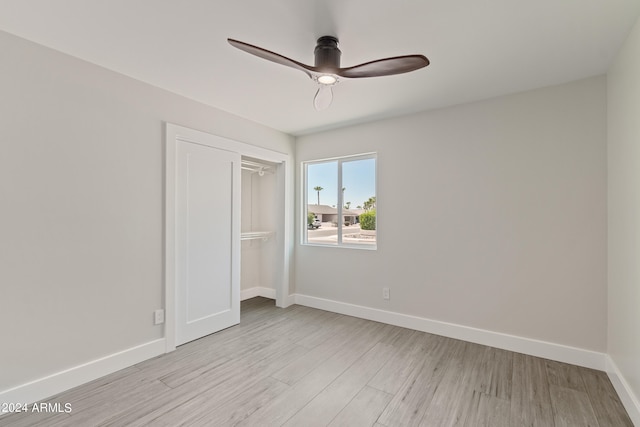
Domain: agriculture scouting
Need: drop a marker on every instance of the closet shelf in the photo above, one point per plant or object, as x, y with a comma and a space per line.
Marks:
256, 235
256, 167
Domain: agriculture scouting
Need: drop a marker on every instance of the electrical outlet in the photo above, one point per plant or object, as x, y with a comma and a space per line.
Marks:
385, 293
158, 317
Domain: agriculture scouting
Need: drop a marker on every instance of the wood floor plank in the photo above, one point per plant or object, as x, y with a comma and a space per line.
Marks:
564, 375
212, 391
399, 338
409, 405
220, 372
488, 411
451, 401
289, 327
530, 399
160, 366
337, 395
29, 419
334, 325
223, 407
496, 373
153, 410
293, 372
70, 396
604, 399
395, 372
364, 409
280, 409
185, 371
243, 404
301, 325
96, 408
571, 408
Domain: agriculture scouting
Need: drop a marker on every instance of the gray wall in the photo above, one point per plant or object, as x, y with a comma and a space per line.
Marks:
81, 196
623, 93
507, 199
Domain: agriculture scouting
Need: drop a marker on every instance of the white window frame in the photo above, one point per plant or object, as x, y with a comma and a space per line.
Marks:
305, 201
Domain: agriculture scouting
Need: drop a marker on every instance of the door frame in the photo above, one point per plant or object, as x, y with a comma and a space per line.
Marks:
175, 133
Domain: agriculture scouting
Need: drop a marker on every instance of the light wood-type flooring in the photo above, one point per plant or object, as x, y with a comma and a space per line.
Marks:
305, 367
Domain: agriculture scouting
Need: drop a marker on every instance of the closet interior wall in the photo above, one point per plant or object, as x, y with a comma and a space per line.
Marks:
259, 223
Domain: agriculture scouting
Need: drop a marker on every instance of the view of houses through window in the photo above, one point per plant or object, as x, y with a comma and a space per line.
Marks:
340, 196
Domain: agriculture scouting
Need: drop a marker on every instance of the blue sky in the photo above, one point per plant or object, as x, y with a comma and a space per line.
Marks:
358, 177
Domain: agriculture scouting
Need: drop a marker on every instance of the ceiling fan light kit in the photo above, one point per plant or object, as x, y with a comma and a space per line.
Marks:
326, 70
327, 79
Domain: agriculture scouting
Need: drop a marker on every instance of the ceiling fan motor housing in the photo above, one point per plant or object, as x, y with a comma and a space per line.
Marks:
327, 54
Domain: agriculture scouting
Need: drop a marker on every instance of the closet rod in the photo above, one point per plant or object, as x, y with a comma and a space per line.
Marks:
260, 168
252, 163
260, 172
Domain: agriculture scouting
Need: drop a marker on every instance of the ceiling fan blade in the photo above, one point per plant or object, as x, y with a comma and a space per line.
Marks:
385, 67
271, 56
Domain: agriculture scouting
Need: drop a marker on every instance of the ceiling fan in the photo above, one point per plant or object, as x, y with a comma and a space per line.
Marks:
326, 70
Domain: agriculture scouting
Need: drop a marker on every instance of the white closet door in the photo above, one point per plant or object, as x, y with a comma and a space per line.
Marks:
208, 240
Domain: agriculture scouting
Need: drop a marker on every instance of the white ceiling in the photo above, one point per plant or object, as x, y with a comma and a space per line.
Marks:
478, 49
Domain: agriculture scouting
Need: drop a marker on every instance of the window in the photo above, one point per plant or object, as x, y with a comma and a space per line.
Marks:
340, 202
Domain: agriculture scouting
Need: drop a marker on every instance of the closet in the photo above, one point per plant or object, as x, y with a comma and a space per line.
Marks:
260, 221
227, 230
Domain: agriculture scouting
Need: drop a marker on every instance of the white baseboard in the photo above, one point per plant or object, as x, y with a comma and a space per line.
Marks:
547, 350
287, 301
257, 291
51, 385
629, 400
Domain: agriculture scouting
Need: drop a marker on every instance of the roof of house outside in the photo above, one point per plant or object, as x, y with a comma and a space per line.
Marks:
330, 210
